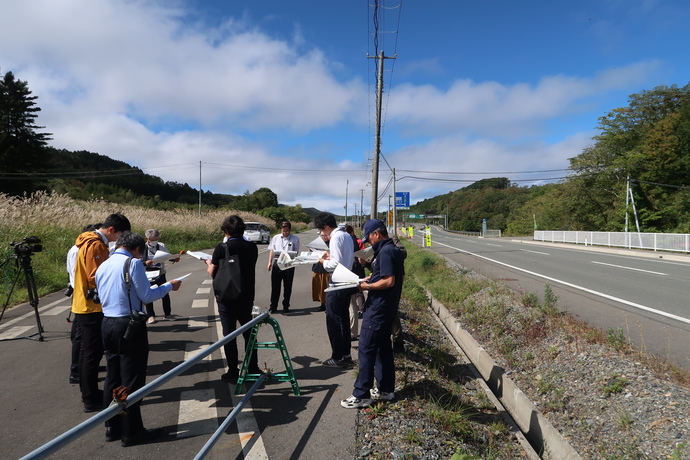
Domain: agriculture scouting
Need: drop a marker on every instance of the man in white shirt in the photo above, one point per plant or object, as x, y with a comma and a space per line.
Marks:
341, 251
285, 241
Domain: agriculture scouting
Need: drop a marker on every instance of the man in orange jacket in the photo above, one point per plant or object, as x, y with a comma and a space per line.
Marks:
93, 251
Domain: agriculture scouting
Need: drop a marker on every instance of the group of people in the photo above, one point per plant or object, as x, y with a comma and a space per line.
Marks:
109, 294
384, 288
379, 311
113, 301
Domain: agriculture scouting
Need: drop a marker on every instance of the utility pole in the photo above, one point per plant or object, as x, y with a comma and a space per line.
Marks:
199, 188
395, 207
377, 138
361, 207
347, 185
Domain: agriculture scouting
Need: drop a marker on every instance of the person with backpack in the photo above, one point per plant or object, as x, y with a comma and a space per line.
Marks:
235, 298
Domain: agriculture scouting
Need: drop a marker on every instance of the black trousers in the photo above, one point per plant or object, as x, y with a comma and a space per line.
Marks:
90, 355
279, 277
231, 314
75, 337
375, 358
126, 362
166, 298
338, 322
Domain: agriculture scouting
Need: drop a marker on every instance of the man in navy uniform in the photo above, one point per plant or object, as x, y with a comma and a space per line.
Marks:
384, 288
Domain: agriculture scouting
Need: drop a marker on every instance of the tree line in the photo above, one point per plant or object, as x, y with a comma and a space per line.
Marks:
28, 164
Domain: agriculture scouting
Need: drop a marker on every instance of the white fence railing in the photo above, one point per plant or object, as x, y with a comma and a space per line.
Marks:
677, 242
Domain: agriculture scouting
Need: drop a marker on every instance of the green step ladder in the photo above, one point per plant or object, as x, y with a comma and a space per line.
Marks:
287, 376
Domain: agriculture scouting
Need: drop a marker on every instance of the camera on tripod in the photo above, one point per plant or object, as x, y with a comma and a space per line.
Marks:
27, 246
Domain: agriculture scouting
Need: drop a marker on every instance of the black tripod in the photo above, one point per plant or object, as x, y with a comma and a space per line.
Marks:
23, 265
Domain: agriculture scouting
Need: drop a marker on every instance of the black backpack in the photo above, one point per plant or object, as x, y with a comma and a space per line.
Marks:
227, 282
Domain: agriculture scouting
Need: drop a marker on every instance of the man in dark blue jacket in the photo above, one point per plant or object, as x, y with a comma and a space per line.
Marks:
384, 288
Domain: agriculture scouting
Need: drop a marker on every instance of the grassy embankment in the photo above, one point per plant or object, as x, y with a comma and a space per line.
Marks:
57, 220
517, 327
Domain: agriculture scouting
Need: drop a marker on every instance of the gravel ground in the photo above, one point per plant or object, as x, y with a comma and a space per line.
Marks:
608, 401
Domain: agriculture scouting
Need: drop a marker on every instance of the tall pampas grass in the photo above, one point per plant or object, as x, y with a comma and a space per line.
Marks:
57, 220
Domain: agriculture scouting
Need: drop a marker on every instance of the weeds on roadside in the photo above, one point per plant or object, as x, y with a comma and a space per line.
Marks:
624, 420
615, 385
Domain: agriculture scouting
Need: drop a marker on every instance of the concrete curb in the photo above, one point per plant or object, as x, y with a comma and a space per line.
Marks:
538, 430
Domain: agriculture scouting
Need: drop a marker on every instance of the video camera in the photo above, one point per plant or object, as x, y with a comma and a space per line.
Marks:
27, 246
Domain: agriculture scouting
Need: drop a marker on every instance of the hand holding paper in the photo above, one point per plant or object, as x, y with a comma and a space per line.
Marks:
342, 278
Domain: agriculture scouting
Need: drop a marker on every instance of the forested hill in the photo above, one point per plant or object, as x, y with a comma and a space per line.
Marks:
643, 148
95, 175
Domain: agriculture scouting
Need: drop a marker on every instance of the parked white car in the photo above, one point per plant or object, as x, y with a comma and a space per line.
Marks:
257, 232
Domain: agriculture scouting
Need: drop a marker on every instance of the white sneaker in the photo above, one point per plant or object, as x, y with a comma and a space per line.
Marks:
355, 403
377, 395
151, 320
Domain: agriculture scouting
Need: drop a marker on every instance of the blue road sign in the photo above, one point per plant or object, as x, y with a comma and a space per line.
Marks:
402, 200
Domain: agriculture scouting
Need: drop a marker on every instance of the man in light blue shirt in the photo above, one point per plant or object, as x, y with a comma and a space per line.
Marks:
126, 355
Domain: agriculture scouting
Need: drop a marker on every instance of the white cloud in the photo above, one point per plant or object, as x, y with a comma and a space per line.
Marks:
503, 111
138, 82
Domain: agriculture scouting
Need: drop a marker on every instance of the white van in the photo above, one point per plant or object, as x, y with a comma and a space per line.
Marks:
257, 232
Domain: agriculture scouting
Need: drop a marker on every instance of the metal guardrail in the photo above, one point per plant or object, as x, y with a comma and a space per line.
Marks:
675, 242
115, 408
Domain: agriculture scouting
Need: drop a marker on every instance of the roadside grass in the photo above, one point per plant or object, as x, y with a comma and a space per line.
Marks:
441, 388
57, 220
485, 308
526, 330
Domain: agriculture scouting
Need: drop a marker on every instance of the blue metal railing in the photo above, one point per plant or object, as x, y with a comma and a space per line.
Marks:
138, 395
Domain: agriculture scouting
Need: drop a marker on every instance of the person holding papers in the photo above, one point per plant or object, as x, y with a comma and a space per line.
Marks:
154, 246
341, 252
384, 288
283, 242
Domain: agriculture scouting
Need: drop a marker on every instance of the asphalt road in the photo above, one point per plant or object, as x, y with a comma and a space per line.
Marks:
37, 403
641, 292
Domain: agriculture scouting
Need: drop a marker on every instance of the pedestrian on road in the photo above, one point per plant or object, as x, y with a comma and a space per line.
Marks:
75, 332
86, 306
341, 251
285, 241
152, 247
124, 288
356, 299
384, 288
319, 281
240, 309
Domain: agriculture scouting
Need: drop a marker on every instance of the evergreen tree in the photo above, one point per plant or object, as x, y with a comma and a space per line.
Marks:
21, 147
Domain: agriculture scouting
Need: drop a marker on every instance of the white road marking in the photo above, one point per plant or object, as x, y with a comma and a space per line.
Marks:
252, 443
536, 252
200, 303
565, 283
56, 311
629, 268
31, 313
203, 291
198, 413
14, 332
207, 282
193, 322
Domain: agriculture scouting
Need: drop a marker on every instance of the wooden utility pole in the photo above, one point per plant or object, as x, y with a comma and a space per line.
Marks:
377, 138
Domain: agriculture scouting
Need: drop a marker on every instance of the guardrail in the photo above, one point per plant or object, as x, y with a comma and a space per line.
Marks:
115, 408
676, 242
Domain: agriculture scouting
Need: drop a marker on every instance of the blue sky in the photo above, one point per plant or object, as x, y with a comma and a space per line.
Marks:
280, 94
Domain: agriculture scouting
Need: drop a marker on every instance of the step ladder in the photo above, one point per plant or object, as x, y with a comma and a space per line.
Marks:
287, 376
